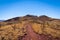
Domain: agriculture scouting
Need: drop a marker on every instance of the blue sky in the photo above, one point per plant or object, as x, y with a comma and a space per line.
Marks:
15, 8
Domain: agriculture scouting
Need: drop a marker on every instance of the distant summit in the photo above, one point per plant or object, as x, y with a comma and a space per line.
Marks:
30, 16
44, 18
1, 20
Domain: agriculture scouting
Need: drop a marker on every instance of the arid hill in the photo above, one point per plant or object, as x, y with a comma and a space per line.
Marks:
30, 27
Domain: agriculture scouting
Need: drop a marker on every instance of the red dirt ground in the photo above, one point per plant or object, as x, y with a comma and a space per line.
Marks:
31, 35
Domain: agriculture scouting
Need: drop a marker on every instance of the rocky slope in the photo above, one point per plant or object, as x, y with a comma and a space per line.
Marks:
30, 27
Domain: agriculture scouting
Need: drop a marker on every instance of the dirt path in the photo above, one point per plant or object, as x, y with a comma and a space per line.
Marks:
31, 35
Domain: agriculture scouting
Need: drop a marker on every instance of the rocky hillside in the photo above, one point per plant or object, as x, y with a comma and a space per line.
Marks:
30, 27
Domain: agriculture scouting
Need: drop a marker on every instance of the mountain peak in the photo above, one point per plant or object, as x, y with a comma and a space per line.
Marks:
1, 20
30, 16
44, 18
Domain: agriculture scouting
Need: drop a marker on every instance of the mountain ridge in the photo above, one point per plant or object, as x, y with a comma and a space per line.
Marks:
31, 16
